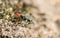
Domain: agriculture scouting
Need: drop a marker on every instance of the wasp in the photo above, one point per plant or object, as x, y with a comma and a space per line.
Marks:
21, 17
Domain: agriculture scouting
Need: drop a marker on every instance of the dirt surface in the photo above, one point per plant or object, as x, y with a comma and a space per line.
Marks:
45, 16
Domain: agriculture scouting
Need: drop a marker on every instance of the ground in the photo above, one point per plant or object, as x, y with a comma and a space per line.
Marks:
45, 22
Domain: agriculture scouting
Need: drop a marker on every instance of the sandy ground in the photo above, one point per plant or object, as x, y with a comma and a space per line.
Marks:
45, 13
